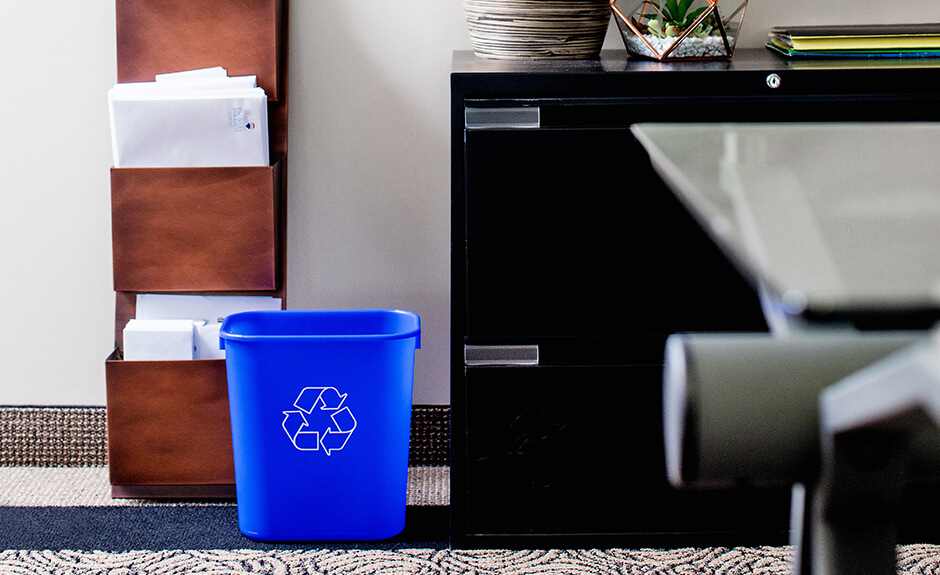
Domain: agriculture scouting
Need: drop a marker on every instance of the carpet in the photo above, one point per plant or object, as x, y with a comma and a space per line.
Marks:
71, 508
406, 561
57, 518
715, 561
62, 521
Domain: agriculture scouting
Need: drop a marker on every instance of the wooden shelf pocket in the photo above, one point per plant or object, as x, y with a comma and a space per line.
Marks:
160, 36
169, 429
195, 229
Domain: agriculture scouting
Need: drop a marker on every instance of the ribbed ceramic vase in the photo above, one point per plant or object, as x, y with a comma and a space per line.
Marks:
537, 29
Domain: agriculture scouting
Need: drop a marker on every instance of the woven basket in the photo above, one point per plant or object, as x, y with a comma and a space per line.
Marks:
537, 29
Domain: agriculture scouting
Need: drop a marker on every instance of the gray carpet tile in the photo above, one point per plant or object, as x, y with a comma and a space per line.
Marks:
53, 436
89, 486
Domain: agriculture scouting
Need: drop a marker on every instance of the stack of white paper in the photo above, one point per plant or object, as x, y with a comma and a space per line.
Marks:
158, 340
204, 313
197, 118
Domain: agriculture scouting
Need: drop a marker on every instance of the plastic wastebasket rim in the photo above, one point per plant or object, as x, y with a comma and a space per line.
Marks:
415, 333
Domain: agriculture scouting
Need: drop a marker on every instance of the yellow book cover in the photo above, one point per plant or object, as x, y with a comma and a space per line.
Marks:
858, 37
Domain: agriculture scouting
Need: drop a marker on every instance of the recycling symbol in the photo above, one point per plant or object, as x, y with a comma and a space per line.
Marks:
321, 420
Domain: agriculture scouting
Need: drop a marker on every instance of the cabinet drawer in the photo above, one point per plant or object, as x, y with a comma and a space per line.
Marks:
169, 430
195, 229
555, 247
576, 451
161, 36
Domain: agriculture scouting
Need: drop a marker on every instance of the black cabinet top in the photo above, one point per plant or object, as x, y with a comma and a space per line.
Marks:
617, 74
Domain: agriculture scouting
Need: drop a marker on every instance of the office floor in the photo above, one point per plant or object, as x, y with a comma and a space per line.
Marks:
71, 508
57, 517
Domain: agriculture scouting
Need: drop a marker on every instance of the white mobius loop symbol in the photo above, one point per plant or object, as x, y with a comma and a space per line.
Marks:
319, 399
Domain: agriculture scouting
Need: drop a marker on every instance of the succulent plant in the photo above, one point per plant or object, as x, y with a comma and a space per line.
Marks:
673, 17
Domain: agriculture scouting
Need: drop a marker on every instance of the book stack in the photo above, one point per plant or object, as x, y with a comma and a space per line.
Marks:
857, 41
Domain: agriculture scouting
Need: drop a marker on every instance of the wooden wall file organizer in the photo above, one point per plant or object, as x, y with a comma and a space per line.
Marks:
206, 231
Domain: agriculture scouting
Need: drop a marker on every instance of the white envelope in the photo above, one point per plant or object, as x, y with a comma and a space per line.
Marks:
164, 124
205, 312
208, 308
158, 340
213, 72
211, 78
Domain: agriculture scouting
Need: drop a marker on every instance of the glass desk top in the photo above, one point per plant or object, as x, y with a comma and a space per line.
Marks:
831, 220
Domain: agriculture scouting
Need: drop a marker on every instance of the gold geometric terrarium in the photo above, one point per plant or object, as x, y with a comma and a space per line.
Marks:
680, 29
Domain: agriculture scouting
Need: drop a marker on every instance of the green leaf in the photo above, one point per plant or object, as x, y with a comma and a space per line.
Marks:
684, 6
676, 12
671, 11
691, 17
654, 27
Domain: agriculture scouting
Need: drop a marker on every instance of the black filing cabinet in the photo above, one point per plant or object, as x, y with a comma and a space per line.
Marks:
572, 263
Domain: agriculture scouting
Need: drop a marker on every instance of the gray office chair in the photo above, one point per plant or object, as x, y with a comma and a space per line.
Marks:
845, 418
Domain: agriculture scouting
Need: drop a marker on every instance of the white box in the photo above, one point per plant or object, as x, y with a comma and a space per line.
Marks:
158, 339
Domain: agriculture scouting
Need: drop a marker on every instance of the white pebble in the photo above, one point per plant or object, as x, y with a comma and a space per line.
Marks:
691, 47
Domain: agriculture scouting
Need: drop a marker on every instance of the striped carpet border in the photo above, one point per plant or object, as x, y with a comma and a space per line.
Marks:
912, 560
403, 562
77, 436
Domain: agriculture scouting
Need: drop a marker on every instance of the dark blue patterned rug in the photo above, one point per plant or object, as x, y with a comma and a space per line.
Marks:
153, 527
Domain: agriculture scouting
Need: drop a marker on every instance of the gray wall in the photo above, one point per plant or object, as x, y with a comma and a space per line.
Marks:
369, 173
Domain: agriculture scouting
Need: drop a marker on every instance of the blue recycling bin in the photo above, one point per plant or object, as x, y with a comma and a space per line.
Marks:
321, 414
